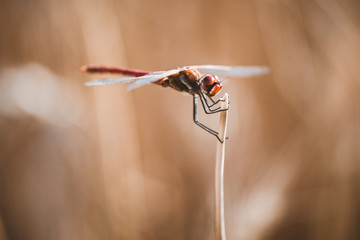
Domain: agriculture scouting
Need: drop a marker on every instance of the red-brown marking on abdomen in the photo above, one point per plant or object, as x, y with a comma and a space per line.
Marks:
108, 69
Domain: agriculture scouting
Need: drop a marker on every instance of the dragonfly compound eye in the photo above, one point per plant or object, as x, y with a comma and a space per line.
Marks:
211, 85
208, 80
207, 83
215, 89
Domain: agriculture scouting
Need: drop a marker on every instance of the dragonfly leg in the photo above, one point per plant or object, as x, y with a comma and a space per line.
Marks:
215, 102
209, 130
208, 109
207, 103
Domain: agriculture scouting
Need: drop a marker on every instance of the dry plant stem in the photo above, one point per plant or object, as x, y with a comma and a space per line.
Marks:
219, 173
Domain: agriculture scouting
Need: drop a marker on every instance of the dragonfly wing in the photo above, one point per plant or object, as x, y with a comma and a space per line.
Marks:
110, 81
232, 71
152, 77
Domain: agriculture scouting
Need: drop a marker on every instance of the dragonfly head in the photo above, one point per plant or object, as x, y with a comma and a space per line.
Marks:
211, 85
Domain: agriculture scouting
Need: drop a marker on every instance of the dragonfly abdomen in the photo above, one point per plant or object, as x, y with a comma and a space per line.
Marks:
109, 69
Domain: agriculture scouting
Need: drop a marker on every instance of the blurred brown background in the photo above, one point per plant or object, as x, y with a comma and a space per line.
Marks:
105, 163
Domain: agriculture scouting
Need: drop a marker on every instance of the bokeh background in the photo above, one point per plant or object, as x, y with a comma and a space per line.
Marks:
106, 163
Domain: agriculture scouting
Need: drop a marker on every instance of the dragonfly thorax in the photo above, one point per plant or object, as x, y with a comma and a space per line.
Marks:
186, 80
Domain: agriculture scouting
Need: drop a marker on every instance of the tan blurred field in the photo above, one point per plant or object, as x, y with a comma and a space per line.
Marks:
106, 163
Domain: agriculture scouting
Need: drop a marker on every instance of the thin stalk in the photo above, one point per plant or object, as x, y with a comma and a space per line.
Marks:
219, 173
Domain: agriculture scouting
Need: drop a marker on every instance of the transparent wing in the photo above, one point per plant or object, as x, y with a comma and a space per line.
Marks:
110, 81
232, 71
153, 77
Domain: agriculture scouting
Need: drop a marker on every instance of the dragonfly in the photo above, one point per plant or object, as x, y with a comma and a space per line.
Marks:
201, 81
